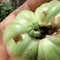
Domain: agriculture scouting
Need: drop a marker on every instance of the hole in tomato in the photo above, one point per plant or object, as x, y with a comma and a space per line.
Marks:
17, 38
46, 30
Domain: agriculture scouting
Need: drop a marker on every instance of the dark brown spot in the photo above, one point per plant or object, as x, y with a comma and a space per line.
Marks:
17, 38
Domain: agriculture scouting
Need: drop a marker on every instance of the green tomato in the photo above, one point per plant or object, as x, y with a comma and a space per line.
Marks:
35, 36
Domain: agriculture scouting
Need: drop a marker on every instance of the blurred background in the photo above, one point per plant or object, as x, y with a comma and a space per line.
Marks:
7, 6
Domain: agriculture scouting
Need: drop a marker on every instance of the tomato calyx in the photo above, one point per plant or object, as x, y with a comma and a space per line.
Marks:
33, 30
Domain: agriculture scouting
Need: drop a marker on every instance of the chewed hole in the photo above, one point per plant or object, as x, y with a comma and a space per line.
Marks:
48, 30
17, 38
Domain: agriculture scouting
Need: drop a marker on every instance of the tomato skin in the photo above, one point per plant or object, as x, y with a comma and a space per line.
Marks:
48, 10
27, 27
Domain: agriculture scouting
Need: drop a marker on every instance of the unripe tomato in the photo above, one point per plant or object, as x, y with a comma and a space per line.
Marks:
35, 36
